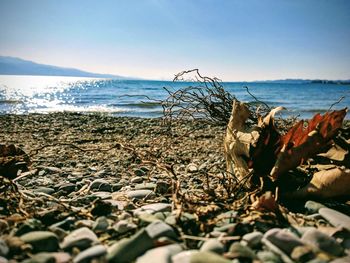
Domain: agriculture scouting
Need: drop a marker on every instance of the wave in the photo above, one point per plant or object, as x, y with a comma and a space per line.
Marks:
11, 102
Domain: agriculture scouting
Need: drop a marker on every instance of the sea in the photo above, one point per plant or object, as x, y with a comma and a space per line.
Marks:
138, 98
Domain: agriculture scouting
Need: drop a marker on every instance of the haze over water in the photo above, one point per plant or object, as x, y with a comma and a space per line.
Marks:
44, 94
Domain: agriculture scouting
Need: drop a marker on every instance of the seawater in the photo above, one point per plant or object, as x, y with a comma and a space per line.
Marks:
45, 94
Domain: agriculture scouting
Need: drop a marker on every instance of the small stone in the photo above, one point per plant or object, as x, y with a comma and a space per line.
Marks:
3, 260
237, 250
195, 256
313, 207
128, 249
153, 208
162, 187
81, 238
28, 226
116, 187
341, 260
213, 245
147, 186
124, 226
192, 168
283, 239
62, 257
136, 180
323, 242
95, 252
139, 172
84, 223
336, 218
41, 241
3, 225
161, 254
302, 254
4, 249
67, 187
64, 224
101, 224
45, 190
252, 239
140, 194
100, 185
41, 258
268, 257
102, 195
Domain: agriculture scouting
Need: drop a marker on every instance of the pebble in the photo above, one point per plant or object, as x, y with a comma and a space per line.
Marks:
161, 254
101, 224
41, 258
41, 241
67, 187
45, 190
140, 194
268, 257
81, 238
252, 239
136, 180
323, 242
28, 226
124, 226
213, 245
237, 250
100, 185
196, 256
4, 249
302, 254
153, 208
336, 218
282, 242
147, 186
91, 253
139, 172
313, 207
3, 260
192, 168
128, 249
162, 187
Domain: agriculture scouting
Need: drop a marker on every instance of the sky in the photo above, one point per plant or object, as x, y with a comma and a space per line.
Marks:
154, 39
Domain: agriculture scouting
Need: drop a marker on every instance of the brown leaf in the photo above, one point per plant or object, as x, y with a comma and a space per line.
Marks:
265, 203
305, 140
326, 184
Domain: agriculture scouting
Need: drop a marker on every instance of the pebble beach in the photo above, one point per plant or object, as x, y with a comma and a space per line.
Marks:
99, 188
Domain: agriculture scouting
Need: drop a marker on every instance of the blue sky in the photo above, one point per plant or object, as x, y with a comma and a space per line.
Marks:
154, 39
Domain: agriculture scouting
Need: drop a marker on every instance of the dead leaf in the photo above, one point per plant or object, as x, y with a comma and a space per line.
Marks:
12, 159
265, 203
335, 153
305, 140
326, 184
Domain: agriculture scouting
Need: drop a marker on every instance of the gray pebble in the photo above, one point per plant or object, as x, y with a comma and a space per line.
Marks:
101, 224
153, 208
140, 194
322, 241
312, 207
336, 218
100, 185
136, 180
252, 239
196, 256
41, 241
81, 238
161, 254
4, 249
213, 245
88, 254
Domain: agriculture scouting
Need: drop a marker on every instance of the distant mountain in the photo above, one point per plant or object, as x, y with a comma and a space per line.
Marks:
17, 66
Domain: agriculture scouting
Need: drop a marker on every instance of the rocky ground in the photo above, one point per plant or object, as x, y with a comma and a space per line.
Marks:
106, 189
